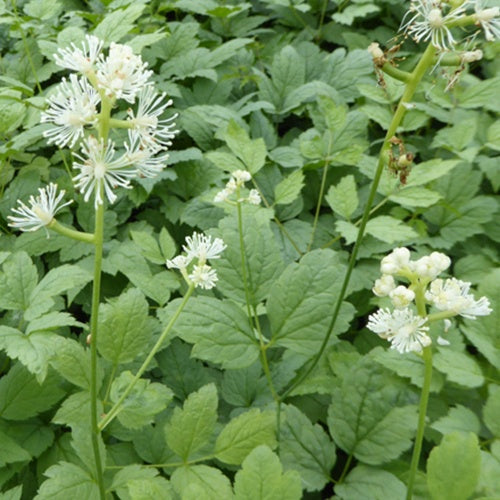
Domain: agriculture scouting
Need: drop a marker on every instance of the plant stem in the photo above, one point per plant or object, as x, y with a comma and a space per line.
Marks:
71, 233
416, 76
96, 292
117, 406
424, 399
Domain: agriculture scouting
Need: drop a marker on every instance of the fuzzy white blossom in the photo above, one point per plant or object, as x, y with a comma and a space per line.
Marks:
81, 59
100, 170
121, 74
398, 260
147, 128
405, 331
488, 19
254, 197
72, 108
202, 247
384, 285
453, 295
203, 276
41, 211
401, 297
180, 262
241, 176
431, 266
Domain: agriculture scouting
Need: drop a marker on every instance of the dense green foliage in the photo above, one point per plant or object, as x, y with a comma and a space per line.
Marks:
286, 90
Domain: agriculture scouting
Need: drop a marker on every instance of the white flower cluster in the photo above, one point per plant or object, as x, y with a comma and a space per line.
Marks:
78, 104
401, 327
201, 248
433, 19
237, 181
41, 211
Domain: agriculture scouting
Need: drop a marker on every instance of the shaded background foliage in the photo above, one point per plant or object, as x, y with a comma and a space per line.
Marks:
283, 89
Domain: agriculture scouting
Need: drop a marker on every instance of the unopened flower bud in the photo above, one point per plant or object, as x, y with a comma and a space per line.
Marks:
384, 285
401, 297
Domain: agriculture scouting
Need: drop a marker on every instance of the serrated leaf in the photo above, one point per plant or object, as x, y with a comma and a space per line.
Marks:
17, 281
481, 94
491, 410
460, 419
65, 481
11, 452
201, 481
33, 351
125, 330
12, 494
22, 397
167, 244
230, 341
144, 401
289, 188
262, 255
389, 229
251, 152
301, 300
72, 361
427, 171
376, 436
122, 478
307, 449
243, 433
261, 478
117, 24
343, 198
74, 411
368, 483
415, 197
354, 11
459, 368
453, 467
149, 246
191, 427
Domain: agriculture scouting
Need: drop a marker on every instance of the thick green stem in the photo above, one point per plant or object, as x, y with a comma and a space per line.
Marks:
96, 292
403, 76
422, 411
117, 406
416, 76
71, 233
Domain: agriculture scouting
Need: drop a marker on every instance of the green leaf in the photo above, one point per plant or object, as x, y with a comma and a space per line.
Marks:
243, 433
458, 367
343, 198
246, 387
460, 419
219, 330
149, 246
138, 479
415, 197
22, 397
72, 361
261, 478
262, 255
368, 483
125, 330
491, 410
289, 188
11, 452
225, 161
145, 489
191, 428
354, 11
381, 434
453, 467
51, 321
74, 411
33, 351
144, 401
482, 332
12, 494
117, 24
457, 137
201, 481
389, 229
42, 9
427, 171
301, 301
65, 481
481, 94
167, 245
251, 152
17, 281
306, 448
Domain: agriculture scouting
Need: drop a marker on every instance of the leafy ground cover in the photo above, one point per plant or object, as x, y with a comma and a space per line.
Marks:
196, 326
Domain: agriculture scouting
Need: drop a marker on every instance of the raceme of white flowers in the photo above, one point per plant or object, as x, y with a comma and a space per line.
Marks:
433, 20
234, 186
406, 330
199, 248
76, 107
